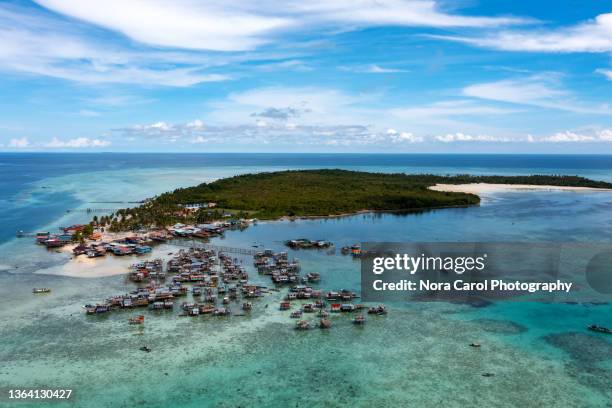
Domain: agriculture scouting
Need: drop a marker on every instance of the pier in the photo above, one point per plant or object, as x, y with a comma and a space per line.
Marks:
216, 248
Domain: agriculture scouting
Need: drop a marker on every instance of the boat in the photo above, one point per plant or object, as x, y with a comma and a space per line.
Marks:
285, 306
325, 323
296, 314
379, 310
308, 308
41, 290
145, 349
359, 319
136, 319
247, 306
475, 345
302, 325
207, 309
222, 311
599, 329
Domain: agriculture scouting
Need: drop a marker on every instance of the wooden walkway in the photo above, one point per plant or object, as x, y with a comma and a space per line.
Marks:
217, 248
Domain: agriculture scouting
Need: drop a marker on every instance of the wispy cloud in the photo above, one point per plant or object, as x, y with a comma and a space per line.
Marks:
371, 69
243, 25
542, 90
590, 36
39, 45
605, 72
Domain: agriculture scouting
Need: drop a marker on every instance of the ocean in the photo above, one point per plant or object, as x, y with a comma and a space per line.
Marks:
417, 355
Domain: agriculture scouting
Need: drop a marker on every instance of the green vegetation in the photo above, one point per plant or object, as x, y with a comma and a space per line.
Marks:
314, 193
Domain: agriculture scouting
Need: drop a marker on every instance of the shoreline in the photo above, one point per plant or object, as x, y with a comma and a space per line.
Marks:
483, 188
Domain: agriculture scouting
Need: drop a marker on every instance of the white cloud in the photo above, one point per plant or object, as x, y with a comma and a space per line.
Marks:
39, 45
19, 143
77, 143
462, 137
605, 72
240, 25
590, 36
604, 135
541, 90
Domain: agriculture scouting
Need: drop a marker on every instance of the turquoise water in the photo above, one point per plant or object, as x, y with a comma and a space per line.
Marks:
418, 355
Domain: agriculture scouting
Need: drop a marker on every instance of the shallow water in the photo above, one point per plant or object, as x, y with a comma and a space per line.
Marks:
418, 355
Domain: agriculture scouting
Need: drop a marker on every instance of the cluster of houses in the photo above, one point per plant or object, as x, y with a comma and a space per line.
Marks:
66, 236
119, 247
215, 281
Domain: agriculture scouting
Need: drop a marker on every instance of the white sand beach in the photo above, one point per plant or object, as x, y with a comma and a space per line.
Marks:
483, 188
83, 267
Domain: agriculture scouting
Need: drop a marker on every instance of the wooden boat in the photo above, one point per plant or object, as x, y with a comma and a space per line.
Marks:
136, 319
296, 314
347, 307
378, 310
222, 311
285, 306
207, 309
325, 323
247, 306
308, 308
359, 319
599, 329
41, 290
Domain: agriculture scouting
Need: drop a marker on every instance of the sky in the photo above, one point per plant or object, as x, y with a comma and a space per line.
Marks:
383, 76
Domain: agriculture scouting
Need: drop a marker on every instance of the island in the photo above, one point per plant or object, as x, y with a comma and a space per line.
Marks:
314, 193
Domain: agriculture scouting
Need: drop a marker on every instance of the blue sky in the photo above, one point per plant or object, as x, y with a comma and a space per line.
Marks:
306, 76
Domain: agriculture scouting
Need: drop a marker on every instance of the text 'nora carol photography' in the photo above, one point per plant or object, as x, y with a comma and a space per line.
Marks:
486, 271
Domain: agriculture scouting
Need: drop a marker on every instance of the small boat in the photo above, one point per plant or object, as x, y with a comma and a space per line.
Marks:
136, 319
221, 312
325, 323
247, 306
359, 319
302, 325
145, 349
41, 290
488, 374
308, 308
599, 329
296, 314
378, 310
475, 345
285, 306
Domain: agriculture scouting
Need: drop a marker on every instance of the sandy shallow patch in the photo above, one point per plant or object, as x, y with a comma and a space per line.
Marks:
483, 188
83, 267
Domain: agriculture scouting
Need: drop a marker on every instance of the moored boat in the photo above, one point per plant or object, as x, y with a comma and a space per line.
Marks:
41, 290
136, 319
359, 319
302, 325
